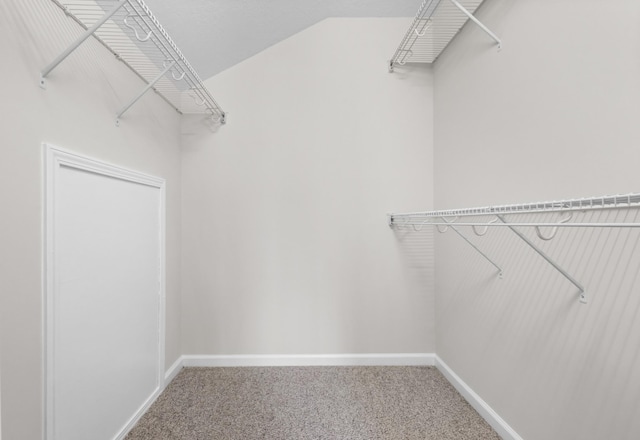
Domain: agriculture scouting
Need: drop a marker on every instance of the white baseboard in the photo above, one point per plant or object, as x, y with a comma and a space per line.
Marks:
173, 370
485, 411
138, 414
170, 374
287, 360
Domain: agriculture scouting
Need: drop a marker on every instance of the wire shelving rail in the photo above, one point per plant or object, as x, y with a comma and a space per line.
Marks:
133, 34
503, 215
434, 26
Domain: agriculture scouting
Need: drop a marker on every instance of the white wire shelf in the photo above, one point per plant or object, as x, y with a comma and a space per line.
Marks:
434, 26
131, 32
603, 202
481, 219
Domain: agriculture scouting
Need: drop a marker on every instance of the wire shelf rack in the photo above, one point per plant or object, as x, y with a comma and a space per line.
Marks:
612, 202
481, 219
132, 33
434, 26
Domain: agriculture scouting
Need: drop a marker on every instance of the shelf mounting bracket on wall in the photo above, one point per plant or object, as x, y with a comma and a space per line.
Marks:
583, 297
450, 225
146, 89
477, 22
89, 32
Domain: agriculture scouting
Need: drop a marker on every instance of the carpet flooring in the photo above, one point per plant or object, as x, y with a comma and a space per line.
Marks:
305, 403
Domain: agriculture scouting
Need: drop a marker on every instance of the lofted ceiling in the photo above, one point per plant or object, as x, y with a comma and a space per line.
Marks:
216, 34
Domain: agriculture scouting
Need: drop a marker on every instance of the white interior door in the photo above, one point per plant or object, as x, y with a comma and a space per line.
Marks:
105, 292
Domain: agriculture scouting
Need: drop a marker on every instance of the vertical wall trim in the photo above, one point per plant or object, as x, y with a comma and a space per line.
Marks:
486, 412
0, 396
54, 158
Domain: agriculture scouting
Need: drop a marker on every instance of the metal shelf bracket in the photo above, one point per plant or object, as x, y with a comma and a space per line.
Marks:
477, 22
583, 297
450, 225
145, 90
89, 32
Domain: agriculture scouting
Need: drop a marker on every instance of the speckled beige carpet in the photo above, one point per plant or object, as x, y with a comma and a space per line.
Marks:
304, 403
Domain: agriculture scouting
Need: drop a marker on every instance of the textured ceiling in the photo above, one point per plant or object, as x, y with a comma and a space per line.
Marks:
216, 34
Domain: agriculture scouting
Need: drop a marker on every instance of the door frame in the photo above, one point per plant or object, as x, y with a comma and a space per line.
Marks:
54, 159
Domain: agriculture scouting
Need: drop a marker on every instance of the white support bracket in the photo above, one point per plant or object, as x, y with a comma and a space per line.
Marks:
478, 22
89, 32
450, 225
583, 297
145, 90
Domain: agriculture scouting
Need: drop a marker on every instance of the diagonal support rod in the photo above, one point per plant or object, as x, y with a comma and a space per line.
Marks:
89, 32
500, 272
478, 22
583, 297
146, 89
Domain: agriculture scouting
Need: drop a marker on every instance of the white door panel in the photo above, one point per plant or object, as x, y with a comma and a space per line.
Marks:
104, 299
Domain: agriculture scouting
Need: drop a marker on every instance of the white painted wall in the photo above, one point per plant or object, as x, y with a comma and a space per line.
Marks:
75, 112
553, 115
285, 243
